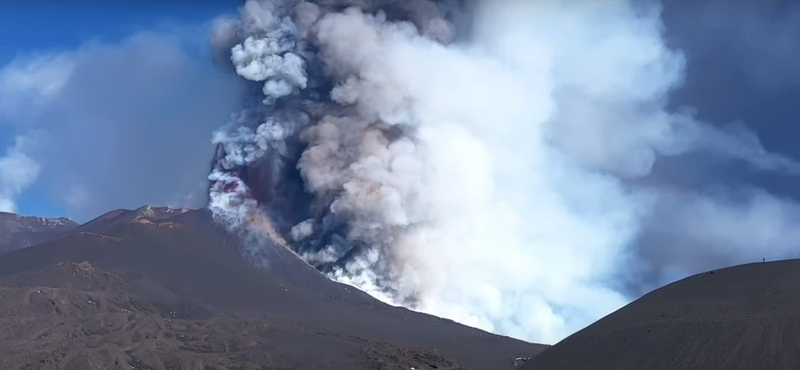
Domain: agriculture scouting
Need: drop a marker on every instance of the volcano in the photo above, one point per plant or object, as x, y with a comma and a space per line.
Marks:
160, 288
24, 231
157, 288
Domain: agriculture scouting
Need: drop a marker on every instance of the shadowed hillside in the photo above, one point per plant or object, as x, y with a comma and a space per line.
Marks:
18, 231
745, 317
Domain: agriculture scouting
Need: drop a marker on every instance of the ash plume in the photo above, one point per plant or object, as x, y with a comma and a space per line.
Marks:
480, 161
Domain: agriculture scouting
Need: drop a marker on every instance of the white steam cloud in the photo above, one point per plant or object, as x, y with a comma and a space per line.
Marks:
487, 181
17, 172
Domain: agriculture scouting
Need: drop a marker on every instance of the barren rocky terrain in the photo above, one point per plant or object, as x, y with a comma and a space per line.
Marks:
152, 289
745, 317
24, 231
169, 289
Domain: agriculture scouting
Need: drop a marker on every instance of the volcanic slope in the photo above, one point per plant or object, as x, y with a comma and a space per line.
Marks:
156, 289
745, 317
17, 231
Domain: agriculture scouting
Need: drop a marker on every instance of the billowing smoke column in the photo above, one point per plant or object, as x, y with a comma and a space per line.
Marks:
472, 161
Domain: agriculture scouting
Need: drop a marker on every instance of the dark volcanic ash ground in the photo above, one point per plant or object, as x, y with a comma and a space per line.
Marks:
158, 289
743, 317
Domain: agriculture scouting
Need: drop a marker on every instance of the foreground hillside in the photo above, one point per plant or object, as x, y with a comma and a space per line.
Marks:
161, 289
745, 317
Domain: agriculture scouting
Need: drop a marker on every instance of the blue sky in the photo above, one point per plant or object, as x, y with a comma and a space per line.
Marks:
32, 26
31, 29
105, 142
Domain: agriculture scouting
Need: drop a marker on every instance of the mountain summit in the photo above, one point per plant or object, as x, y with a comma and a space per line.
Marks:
17, 231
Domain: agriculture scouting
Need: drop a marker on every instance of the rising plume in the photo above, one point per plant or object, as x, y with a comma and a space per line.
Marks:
474, 160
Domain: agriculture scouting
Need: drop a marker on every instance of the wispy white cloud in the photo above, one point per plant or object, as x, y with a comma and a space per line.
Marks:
17, 171
128, 122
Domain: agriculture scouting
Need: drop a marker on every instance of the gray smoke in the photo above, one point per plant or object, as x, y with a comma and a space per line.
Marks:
488, 163
739, 69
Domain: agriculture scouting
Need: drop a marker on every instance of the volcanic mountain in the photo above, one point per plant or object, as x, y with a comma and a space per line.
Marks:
745, 317
18, 231
157, 288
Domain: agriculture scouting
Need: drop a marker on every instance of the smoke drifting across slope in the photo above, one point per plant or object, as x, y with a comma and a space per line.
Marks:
474, 161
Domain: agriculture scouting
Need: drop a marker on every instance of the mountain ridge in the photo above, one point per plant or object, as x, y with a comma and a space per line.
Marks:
741, 317
177, 291
158, 289
20, 231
